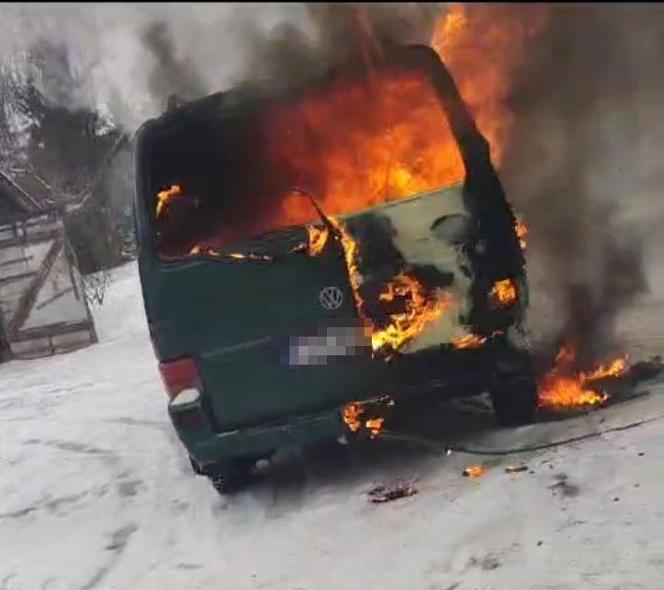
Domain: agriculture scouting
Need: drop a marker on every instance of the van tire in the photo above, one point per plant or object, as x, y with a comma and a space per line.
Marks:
195, 466
514, 400
231, 475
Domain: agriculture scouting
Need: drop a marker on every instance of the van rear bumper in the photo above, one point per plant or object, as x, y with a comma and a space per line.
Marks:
208, 447
461, 373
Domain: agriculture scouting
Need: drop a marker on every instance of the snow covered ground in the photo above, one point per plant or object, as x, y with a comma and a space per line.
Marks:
96, 492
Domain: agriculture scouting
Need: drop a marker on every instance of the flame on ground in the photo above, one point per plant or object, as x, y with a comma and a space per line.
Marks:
163, 197
503, 293
614, 368
474, 471
564, 387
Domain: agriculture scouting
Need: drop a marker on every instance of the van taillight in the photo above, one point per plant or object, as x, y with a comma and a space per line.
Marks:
179, 375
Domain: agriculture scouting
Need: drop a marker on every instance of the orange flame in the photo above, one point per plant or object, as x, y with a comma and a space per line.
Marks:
474, 471
503, 293
483, 44
237, 256
163, 197
374, 426
206, 250
418, 307
317, 239
521, 233
351, 254
358, 144
614, 368
469, 341
563, 387
362, 143
351, 416
209, 251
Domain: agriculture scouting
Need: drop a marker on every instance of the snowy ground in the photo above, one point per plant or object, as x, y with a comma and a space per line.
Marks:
96, 492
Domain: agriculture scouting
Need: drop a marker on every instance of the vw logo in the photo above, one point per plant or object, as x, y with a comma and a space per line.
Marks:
331, 298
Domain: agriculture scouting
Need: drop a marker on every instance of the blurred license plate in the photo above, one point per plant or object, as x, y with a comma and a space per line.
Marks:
328, 345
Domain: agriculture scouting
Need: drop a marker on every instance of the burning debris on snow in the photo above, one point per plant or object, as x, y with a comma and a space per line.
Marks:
387, 493
565, 386
474, 471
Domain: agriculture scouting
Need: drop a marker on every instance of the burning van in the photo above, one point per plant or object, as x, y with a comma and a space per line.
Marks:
313, 255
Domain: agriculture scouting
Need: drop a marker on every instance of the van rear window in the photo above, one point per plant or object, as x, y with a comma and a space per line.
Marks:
241, 170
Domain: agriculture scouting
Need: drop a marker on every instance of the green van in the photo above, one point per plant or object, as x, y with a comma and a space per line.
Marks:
273, 340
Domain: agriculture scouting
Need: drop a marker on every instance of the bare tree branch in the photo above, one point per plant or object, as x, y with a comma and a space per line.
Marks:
121, 140
41, 181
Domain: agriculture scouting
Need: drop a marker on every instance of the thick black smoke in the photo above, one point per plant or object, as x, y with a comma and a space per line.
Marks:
583, 160
333, 32
170, 75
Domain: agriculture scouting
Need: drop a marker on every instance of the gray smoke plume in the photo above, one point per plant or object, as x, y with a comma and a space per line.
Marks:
584, 166
131, 57
170, 73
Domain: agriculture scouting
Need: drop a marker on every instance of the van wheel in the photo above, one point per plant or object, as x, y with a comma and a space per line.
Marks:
514, 400
231, 475
195, 466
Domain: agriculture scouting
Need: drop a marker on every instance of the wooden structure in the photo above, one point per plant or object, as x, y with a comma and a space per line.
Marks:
43, 309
